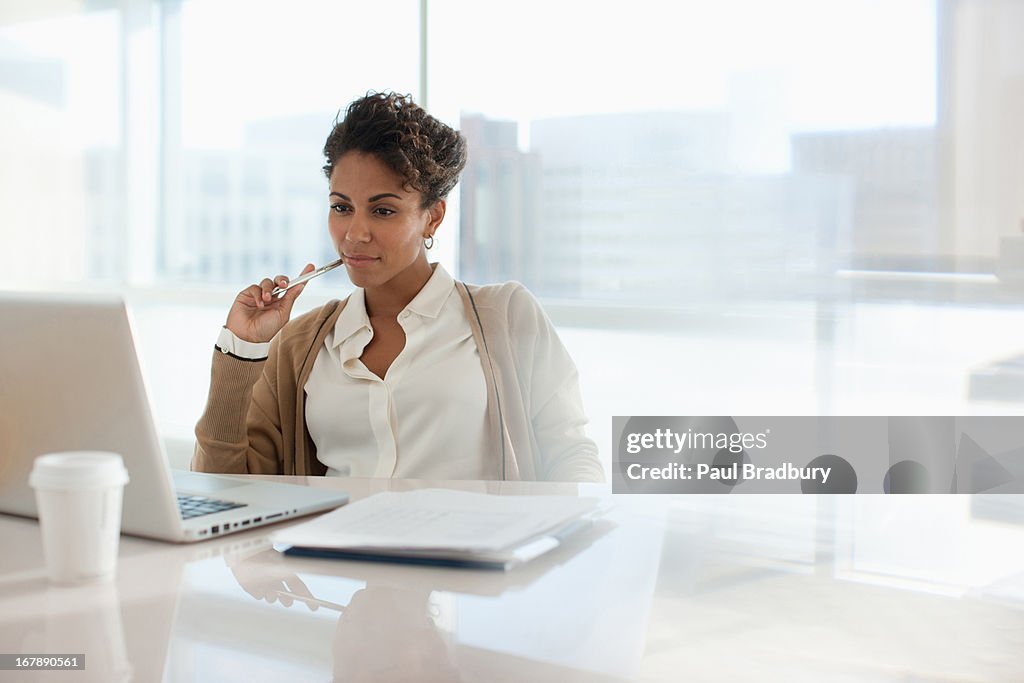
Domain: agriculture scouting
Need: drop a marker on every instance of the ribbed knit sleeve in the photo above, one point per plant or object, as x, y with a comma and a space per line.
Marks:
239, 431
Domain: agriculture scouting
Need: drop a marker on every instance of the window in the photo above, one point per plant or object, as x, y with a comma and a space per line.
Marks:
728, 207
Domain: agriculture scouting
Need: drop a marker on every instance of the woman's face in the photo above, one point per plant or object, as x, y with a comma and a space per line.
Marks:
377, 225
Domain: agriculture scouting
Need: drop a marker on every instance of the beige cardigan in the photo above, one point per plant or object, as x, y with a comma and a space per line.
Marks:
254, 420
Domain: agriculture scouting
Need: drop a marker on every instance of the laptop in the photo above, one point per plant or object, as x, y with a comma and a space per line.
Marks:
70, 380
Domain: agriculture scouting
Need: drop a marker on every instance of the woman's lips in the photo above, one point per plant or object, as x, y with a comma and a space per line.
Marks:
359, 261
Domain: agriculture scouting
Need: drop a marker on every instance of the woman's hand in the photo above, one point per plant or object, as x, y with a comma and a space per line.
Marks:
256, 316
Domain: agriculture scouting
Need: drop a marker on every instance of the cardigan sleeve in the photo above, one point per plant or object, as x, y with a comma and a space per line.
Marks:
240, 431
564, 451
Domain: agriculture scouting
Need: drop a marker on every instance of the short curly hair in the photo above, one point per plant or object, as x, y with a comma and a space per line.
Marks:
426, 153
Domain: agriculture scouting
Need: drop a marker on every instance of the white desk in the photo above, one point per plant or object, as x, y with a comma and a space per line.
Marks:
699, 588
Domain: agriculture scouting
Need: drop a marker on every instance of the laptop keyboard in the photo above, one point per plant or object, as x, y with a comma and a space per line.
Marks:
197, 506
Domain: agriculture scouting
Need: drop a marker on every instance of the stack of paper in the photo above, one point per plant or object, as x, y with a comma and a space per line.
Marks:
440, 526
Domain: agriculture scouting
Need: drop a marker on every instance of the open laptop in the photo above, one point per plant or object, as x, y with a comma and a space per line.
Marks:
70, 380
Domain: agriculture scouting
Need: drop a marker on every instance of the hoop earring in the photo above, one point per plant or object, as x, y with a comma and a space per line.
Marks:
428, 242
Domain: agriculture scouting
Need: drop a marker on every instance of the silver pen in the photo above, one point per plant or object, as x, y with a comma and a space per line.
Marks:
278, 291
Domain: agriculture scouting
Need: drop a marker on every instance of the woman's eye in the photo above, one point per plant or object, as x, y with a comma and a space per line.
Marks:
339, 208
383, 211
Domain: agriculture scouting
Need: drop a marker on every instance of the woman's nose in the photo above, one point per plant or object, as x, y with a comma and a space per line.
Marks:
357, 231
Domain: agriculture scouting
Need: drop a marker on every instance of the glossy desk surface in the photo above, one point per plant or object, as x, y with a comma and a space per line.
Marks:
688, 588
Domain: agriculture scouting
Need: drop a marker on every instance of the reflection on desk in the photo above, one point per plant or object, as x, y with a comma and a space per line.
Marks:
669, 588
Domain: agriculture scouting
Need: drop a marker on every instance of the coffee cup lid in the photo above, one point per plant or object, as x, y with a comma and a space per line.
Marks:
78, 470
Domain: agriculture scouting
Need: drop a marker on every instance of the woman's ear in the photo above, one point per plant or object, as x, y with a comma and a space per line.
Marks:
436, 211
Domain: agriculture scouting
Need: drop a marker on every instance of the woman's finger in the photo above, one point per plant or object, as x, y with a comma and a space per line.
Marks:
253, 293
292, 294
267, 286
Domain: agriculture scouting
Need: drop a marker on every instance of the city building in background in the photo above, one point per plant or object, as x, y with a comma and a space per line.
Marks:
229, 217
239, 216
645, 208
892, 174
499, 205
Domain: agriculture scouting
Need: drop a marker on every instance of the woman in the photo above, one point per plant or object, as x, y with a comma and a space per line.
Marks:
415, 374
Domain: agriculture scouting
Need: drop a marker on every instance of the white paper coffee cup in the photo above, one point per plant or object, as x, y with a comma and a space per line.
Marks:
78, 496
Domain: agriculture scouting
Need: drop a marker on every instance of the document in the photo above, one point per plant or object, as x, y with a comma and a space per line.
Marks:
441, 526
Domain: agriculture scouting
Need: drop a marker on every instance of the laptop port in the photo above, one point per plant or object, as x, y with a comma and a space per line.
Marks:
257, 520
215, 529
245, 522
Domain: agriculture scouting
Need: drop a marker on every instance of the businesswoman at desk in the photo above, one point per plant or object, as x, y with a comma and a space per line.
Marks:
415, 374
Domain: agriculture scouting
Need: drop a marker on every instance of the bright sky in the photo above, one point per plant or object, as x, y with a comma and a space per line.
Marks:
798, 64
808, 64
828, 64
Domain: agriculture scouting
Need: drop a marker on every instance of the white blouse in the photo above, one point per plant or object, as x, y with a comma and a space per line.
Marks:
426, 418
